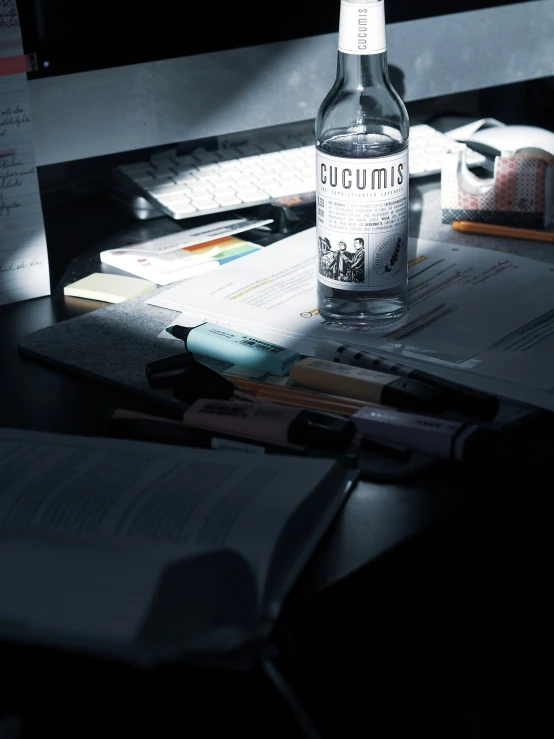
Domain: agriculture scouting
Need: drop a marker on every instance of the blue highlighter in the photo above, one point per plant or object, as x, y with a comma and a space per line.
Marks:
218, 342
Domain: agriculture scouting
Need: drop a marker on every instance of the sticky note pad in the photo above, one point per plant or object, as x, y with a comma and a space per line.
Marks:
109, 288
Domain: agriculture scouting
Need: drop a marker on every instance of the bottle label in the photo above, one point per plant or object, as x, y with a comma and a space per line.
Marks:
362, 221
362, 28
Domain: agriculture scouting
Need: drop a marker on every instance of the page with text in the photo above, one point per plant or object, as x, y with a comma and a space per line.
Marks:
24, 271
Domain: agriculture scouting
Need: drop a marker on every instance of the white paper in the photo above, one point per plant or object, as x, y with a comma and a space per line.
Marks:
167, 267
23, 255
481, 317
197, 235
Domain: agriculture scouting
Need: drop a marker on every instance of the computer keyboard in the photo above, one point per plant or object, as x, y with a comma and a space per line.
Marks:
264, 169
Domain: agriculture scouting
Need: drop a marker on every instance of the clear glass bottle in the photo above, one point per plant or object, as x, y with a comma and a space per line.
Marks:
361, 134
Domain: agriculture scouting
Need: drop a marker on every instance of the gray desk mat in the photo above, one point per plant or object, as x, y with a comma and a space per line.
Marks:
112, 345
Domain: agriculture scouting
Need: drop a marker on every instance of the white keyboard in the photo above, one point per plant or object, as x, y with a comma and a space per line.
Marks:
204, 182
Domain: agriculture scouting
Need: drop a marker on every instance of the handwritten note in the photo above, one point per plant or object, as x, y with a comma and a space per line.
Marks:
24, 270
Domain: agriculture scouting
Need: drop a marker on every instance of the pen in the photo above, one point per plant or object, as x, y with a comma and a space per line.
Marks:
272, 423
457, 397
126, 424
510, 232
368, 385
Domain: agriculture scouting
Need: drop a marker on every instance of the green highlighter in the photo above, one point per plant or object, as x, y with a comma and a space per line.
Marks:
218, 342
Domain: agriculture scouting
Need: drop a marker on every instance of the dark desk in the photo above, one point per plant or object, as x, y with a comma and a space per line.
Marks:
444, 572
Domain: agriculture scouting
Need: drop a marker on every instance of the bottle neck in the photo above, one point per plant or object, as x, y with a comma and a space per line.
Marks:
358, 71
362, 57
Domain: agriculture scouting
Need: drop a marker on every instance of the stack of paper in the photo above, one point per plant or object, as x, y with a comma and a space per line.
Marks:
184, 254
479, 317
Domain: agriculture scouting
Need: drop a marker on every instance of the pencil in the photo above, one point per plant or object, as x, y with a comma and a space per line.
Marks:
510, 232
284, 395
313, 405
291, 391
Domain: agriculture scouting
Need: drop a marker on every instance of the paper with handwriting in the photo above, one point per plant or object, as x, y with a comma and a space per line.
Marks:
24, 269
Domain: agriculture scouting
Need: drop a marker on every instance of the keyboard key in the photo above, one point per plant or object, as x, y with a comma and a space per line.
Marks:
226, 154
139, 168
184, 178
268, 145
162, 186
251, 165
217, 189
229, 165
248, 149
163, 156
266, 184
198, 188
186, 159
181, 208
277, 190
253, 196
225, 181
230, 199
164, 171
204, 203
145, 178
179, 195
206, 156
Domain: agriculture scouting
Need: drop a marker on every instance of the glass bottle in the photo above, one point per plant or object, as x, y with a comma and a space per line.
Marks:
361, 134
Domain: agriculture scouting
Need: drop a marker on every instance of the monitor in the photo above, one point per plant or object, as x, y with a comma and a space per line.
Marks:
124, 76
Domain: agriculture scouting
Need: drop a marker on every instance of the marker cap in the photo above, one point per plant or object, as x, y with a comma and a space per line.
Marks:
164, 372
199, 381
322, 431
460, 398
412, 395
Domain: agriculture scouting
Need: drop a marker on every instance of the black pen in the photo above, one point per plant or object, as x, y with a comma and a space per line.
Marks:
125, 424
459, 398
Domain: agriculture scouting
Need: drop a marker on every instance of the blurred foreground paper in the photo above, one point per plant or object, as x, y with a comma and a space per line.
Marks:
23, 256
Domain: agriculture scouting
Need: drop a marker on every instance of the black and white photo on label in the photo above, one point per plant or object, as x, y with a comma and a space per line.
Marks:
342, 262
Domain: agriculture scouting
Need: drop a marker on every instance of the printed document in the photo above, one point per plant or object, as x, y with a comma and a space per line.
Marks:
23, 256
478, 316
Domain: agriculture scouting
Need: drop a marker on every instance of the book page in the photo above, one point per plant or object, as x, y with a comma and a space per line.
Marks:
24, 269
169, 501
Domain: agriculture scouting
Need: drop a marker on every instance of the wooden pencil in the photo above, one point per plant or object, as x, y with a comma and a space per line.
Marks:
511, 232
288, 390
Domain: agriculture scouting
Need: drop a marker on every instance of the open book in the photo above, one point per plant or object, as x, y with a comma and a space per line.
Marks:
147, 552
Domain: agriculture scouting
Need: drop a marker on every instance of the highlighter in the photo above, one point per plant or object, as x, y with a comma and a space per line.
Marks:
218, 342
368, 385
438, 437
459, 398
272, 423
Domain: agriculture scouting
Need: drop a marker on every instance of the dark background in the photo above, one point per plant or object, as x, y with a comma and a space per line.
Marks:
75, 36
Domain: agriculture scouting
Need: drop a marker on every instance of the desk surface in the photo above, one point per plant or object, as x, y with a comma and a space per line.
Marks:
426, 571
378, 517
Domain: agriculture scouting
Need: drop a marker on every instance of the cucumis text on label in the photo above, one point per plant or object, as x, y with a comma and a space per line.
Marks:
362, 221
362, 28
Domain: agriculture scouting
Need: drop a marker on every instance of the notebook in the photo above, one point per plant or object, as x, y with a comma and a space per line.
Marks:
146, 553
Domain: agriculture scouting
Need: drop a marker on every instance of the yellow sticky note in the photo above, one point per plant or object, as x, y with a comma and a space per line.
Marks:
109, 288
